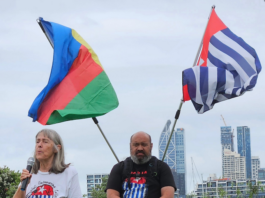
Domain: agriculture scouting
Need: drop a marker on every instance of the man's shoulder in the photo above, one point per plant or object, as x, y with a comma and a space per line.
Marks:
118, 166
158, 160
160, 163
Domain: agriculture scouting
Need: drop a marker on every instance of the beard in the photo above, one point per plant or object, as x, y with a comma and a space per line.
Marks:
143, 160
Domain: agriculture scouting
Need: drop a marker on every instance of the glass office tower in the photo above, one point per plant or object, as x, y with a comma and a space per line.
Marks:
244, 147
175, 156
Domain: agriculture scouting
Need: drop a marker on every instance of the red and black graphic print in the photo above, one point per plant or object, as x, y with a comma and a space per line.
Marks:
44, 191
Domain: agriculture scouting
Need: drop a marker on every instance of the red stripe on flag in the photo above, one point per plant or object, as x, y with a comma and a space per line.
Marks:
82, 72
186, 96
215, 25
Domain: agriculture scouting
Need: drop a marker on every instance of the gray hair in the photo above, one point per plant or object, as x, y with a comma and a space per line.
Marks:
58, 164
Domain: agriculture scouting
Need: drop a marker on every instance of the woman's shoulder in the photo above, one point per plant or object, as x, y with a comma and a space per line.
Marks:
70, 170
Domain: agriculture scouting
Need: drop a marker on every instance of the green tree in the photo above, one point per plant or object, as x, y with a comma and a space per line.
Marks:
221, 192
253, 189
9, 181
99, 190
191, 195
238, 193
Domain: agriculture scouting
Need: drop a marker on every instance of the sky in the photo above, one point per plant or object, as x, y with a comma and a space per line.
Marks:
143, 46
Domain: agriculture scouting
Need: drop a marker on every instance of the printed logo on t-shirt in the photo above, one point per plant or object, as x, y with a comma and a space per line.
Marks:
138, 188
45, 191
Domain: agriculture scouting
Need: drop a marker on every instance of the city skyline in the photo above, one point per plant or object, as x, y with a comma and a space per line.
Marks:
252, 163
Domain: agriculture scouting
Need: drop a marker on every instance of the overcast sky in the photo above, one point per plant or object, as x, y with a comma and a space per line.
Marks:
144, 46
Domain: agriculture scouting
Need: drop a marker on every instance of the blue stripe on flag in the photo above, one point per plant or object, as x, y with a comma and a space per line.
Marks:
221, 79
138, 190
240, 41
125, 187
204, 86
252, 82
234, 91
132, 190
216, 61
233, 54
189, 78
243, 44
66, 49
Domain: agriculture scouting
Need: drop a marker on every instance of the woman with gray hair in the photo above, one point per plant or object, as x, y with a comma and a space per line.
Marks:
50, 176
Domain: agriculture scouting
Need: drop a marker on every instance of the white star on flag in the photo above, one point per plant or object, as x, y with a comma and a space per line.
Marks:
42, 189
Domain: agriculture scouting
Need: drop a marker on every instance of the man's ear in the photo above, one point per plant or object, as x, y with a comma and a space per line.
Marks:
151, 146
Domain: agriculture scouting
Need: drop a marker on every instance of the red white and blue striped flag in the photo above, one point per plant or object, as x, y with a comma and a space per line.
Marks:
227, 67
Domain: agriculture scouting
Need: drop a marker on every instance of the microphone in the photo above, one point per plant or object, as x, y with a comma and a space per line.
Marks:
30, 163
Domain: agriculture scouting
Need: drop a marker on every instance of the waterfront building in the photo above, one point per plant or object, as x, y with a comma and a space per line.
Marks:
93, 181
255, 163
175, 156
228, 188
261, 174
227, 141
244, 147
233, 165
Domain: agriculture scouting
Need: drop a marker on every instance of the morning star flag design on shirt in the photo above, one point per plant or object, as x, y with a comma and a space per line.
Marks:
227, 67
45, 191
138, 188
78, 86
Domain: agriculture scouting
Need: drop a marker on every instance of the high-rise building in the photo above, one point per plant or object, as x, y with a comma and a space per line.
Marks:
226, 141
261, 174
255, 163
227, 138
175, 156
93, 181
244, 147
233, 165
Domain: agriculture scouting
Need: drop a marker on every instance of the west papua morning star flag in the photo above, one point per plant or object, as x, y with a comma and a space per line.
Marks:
227, 67
78, 86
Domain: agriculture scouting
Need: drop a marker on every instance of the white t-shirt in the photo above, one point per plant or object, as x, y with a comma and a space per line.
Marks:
50, 185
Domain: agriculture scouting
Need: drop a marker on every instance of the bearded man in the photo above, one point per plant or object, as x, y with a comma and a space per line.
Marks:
141, 175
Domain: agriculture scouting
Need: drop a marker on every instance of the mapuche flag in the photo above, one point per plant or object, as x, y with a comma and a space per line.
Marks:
227, 67
78, 86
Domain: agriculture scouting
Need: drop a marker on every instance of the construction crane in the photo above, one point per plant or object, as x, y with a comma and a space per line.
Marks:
223, 120
194, 174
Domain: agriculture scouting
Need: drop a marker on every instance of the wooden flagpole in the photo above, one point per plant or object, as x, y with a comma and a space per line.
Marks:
182, 101
94, 118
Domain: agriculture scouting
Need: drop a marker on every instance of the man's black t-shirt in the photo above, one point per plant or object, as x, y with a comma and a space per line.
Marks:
143, 185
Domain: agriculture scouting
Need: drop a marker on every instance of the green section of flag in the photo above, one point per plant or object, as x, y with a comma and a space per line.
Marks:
96, 99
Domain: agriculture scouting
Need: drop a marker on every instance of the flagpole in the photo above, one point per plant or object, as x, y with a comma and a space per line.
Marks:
175, 122
96, 122
200, 46
182, 101
94, 119
38, 21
